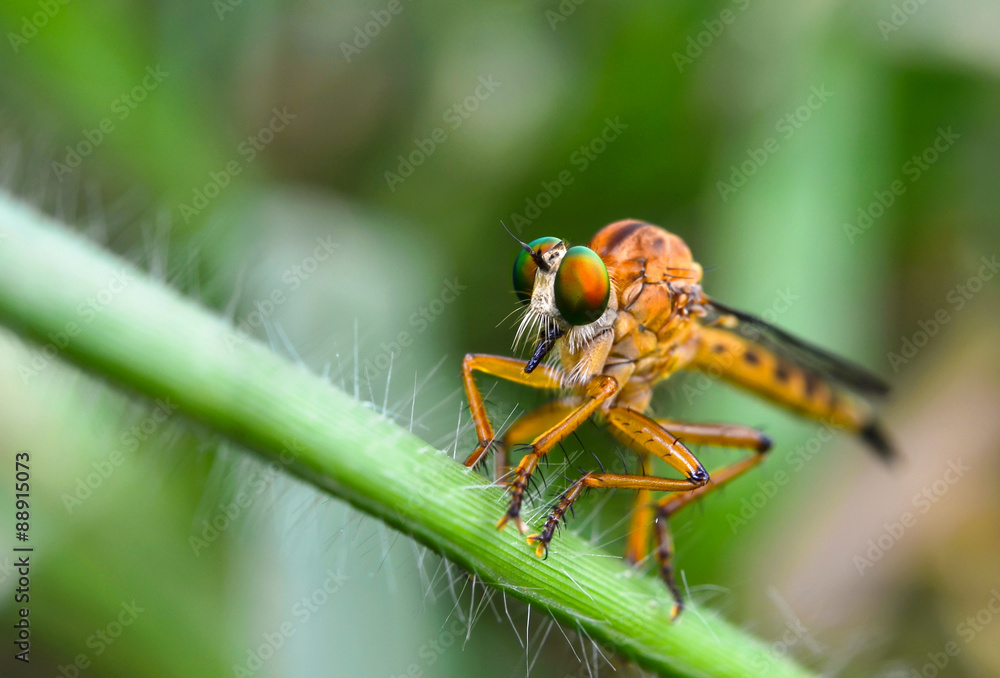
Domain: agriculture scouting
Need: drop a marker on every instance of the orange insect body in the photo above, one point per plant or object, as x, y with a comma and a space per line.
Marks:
658, 331
655, 334
624, 314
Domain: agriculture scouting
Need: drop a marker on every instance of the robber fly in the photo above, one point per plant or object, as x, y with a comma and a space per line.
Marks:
621, 315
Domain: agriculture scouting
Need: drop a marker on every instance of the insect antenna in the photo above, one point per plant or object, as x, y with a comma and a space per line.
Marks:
520, 242
537, 256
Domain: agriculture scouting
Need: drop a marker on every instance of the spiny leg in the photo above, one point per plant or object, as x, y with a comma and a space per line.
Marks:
608, 480
502, 367
643, 512
595, 392
718, 435
708, 434
646, 436
528, 427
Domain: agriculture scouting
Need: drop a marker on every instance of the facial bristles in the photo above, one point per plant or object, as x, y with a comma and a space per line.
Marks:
578, 375
580, 337
528, 327
533, 327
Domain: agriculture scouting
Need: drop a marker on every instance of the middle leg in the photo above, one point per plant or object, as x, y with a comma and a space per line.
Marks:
645, 436
723, 435
719, 435
527, 427
595, 392
608, 480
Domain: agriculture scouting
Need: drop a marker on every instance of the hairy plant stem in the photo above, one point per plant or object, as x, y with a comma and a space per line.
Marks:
102, 314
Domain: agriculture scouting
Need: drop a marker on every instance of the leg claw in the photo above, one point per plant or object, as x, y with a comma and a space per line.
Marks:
542, 550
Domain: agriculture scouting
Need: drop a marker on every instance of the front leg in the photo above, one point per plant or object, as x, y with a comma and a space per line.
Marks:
506, 368
527, 427
597, 390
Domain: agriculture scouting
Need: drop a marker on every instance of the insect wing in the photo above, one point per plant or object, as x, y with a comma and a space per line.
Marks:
801, 353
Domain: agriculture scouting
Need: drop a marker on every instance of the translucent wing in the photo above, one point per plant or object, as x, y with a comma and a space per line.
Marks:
810, 358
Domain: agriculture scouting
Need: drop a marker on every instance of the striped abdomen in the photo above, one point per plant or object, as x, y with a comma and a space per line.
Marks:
757, 369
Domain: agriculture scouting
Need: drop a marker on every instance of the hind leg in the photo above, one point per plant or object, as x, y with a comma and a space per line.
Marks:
707, 434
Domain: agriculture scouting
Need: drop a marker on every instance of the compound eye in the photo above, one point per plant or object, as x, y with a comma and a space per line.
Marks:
582, 286
525, 267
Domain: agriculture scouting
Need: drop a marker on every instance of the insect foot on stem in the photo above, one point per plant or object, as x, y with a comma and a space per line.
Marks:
557, 514
482, 452
516, 488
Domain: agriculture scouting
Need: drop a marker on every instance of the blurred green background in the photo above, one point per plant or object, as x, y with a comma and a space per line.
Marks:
342, 169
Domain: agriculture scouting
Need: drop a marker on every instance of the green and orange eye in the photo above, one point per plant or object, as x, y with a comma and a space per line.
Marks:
582, 286
525, 267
